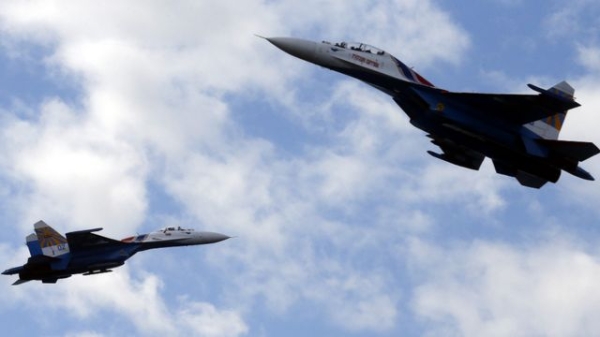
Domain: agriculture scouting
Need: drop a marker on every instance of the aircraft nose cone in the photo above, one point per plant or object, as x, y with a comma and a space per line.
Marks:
210, 237
303, 49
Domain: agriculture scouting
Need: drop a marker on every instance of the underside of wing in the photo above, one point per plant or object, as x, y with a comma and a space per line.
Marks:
85, 239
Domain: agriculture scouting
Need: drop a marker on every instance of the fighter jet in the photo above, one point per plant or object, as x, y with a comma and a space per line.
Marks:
55, 257
519, 133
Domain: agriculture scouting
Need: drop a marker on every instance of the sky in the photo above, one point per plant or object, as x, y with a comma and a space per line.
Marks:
135, 115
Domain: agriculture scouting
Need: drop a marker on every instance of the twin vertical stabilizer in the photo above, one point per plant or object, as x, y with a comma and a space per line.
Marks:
50, 242
562, 93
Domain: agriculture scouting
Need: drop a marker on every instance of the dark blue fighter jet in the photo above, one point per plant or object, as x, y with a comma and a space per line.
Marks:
55, 257
519, 133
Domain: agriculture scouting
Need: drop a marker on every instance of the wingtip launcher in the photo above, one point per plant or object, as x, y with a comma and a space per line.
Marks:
561, 92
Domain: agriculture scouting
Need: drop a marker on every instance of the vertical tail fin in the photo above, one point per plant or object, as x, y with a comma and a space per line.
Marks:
34, 245
550, 127
50, 241
563, 90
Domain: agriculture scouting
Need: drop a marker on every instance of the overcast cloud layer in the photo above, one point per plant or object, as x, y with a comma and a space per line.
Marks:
142, 114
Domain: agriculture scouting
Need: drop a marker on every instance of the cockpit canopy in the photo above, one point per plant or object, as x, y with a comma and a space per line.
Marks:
175, 229
358, 46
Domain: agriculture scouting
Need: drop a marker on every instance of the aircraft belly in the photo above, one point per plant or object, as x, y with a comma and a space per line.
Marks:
166, 243
41, 272
388, 84
505, 149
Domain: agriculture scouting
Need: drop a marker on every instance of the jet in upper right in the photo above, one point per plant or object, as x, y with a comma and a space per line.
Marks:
519, 133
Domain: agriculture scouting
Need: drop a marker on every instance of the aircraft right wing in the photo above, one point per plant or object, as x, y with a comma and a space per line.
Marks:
85, 239
516, 109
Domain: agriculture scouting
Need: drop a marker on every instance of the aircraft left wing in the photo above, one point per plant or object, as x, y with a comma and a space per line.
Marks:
86, 239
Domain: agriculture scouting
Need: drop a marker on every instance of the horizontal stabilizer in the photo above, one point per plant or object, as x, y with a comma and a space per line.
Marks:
571, 149
19, 281
12, 271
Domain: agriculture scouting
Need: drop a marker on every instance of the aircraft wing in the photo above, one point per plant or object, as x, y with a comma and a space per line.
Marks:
513, 108
85, 239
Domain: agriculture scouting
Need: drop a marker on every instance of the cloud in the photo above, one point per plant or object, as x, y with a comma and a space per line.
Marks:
357, 302
497, 289
589, 57
76, 169
139, 301
84, 334
203, 319
576, 20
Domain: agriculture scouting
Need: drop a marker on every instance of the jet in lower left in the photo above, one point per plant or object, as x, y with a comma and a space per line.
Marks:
55, 257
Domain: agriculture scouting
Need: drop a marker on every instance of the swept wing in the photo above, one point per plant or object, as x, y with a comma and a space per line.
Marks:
513, 108
86, 239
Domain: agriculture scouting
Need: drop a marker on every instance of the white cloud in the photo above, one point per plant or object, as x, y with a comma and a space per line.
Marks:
444, 183
357, 302
203, 319
495, 289
139, 301
573, 21
84, 334
77, 170
589, 57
